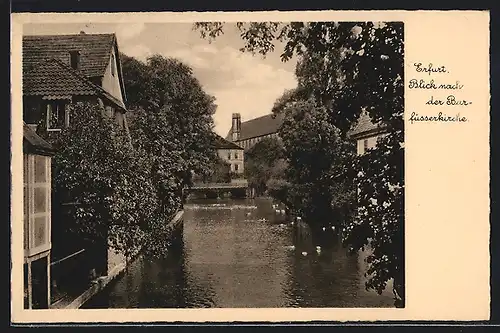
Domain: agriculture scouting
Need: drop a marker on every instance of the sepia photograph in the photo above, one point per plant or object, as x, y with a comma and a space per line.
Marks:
213, 165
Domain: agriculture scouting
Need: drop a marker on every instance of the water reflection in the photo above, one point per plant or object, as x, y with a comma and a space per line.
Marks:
242, 254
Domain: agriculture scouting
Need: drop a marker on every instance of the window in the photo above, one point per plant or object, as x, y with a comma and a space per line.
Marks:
36, 204
113, 68
235, 155
365, 145
229, 156
236, 167
57, 118
110, 111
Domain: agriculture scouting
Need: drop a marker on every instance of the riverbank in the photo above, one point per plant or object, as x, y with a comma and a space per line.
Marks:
99, 284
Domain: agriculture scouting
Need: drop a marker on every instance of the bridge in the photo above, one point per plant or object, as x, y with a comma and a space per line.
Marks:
219, 186
237, 188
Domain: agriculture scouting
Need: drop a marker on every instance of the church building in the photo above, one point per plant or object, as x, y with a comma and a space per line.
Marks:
246, 134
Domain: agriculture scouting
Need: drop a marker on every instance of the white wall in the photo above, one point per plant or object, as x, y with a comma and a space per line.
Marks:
224, 154
372, 142
111, 83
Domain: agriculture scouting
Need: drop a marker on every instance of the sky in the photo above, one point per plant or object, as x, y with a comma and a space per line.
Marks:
240, 82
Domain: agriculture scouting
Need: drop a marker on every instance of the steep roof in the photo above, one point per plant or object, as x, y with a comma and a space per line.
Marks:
95, 53
221, 143
53, 79
95, 50
33, 143
260, 126
364, 126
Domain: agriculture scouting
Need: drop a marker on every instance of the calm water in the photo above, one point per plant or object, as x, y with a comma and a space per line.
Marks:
242, 254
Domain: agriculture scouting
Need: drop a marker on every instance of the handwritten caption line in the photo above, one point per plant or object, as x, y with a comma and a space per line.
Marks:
437, 85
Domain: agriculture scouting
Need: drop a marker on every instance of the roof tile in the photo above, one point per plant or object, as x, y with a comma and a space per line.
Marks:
95, 50
363, 125
34, 143
53, 78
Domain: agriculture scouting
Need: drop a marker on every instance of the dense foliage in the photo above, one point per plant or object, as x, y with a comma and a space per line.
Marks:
125, 187
170, 113
346, 68
171, 122
319, 160
262, 164
218, 172
104, 180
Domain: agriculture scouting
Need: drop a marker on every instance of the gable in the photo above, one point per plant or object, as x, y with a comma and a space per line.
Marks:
364, 127
112, 80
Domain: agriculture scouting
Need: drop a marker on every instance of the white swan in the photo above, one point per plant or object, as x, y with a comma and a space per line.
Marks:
324, 228
304, 253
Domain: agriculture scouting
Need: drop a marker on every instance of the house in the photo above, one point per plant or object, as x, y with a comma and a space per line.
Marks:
230, 153
365, 133
37, 155
247, 134
59, 70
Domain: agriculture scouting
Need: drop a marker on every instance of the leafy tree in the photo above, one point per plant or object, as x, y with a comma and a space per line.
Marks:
171, 122
126, 191
107, 181
348, 67
318, 161
218, 173
277, 185
260, 162
167, 88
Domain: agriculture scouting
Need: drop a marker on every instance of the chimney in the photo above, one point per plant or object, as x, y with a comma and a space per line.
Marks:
75, 59
236, 127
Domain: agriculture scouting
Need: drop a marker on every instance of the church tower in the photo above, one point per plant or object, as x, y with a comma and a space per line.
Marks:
236, 127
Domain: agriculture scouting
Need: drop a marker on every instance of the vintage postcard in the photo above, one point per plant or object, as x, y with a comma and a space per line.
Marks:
329, 165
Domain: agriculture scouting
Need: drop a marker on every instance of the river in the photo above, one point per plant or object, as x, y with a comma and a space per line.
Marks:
241, 254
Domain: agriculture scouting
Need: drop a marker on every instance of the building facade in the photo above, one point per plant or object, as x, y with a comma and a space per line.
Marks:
247, 134
37, 155
62, 69
231, 153
59, 70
